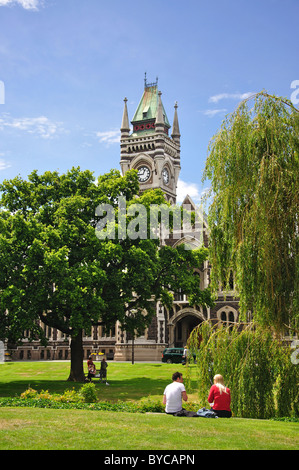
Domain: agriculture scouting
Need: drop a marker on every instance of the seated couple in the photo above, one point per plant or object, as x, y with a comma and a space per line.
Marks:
219, 396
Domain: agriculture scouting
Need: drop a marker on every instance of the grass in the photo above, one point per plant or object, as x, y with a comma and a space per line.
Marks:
127, 381
42, 429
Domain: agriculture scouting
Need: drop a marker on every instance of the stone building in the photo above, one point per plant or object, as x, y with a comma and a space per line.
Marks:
153, 149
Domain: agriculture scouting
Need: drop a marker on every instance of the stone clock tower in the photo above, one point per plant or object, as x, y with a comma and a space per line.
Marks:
149, 148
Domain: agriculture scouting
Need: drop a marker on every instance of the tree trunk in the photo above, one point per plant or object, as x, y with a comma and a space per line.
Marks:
133, 355
77, 370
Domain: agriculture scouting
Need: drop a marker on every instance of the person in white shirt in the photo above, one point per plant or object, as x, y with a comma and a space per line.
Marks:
185, 356
174, 393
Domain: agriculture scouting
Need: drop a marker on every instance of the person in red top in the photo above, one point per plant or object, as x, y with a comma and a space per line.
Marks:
91, 369
219, 398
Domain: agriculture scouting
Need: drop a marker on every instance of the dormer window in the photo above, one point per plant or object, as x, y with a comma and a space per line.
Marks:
145, 110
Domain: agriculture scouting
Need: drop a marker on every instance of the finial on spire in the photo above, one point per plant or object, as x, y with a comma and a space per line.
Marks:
149, 85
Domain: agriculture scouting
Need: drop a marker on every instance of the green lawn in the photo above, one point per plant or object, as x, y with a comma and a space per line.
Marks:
24, 428
33, 428
126, 381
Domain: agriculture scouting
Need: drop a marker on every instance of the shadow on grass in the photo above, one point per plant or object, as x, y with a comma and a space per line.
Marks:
118, 389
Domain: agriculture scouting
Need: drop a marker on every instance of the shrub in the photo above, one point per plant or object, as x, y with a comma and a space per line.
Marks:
45, 395
88, 393
69, 396
29, 393
150, 405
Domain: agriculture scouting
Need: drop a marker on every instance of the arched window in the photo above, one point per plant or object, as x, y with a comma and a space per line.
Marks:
223, 316
230, 286
227, 315
231, 317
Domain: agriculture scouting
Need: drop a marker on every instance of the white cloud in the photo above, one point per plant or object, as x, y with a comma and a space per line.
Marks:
109, 137
192, 189
214, 112
234, 96
27, 4
3, 163
225, 96
202, 198
41, 126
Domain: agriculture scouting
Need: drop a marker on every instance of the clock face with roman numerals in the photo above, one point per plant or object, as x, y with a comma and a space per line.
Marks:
143, 174
165, 176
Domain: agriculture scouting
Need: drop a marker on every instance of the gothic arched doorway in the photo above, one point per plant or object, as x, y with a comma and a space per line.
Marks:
183, 324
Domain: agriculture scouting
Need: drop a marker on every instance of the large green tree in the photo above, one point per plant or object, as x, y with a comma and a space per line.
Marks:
56, 269
253, 166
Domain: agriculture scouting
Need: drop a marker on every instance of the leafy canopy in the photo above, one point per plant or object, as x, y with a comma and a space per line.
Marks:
55, 269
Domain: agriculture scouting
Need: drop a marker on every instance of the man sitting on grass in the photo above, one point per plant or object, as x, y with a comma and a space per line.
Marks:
174, 393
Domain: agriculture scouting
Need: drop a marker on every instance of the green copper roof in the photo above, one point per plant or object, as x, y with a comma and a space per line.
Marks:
147, 108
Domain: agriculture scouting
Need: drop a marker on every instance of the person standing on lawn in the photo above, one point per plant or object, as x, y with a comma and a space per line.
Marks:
103, 371
174, 393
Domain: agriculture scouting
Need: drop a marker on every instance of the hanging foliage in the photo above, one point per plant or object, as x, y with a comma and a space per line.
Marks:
255, 365
253, 166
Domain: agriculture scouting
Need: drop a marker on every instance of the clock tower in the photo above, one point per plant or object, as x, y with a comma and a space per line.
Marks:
149, 148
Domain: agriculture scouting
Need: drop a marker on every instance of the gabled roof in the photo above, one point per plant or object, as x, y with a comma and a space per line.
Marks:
147, 108
189, 201
193, 207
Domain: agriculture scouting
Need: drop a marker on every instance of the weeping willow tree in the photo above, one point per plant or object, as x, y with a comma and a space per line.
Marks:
256, 366
253, 166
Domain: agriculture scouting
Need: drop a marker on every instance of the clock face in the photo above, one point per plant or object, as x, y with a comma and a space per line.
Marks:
143, 174
165, 176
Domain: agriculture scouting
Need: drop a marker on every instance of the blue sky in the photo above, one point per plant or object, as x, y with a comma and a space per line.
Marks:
67, 65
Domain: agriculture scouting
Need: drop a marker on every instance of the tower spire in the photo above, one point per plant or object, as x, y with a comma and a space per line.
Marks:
125, 127
159, 117
175, 128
